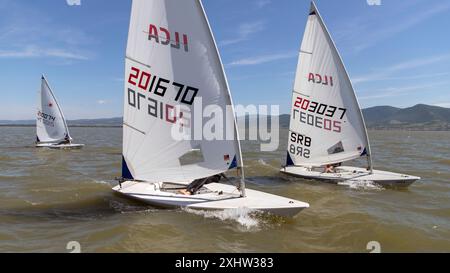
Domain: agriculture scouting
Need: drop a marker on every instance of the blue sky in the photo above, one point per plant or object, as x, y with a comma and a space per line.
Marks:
397, 53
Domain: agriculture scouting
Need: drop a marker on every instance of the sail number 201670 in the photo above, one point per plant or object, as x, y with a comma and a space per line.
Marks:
159, 87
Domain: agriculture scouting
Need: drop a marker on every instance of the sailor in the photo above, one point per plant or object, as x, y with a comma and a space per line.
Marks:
195, 186
331, 168
65, 141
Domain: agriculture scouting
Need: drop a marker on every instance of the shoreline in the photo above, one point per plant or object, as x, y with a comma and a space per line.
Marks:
70, 126
120, 126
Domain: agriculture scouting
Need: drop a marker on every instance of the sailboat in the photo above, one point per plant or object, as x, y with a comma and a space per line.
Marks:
172, 60
327, 127
51, 126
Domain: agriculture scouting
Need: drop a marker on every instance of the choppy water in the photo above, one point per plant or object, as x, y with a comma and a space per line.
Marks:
48, 198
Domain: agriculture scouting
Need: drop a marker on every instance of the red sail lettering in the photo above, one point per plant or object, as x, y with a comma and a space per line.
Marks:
185, 42
319, 78
177, 41
167, 33
153, 33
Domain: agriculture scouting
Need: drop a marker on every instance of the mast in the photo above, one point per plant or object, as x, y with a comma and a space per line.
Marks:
236, 131
39, 105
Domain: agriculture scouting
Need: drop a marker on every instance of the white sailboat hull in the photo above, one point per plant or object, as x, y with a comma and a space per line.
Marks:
60, 146
215, 196
352, 173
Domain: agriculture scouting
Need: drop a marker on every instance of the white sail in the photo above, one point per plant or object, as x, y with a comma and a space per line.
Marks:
326, 124
51, 126
171, 61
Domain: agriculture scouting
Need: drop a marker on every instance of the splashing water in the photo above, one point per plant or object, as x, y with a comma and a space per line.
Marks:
262, 162
265, 164
361, 185
101, 182
125, 208
245, 217
34, 204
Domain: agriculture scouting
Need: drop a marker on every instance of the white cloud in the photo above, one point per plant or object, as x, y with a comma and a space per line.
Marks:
363, 32
61, 53
443, 104
244, 32
418, 62
36, 52
101, 102
25, 53
263, 3
401, 90
287, 74
385, 73
412, 20
263, 59
21, 25
401, 78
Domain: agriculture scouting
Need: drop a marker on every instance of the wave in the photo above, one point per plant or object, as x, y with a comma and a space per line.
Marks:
361, 185
246, 218
263, 162
34, 204
100, 182
444, 162
267, 165
125, 208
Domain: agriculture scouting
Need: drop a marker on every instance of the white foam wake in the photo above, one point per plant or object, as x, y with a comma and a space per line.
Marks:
262, 162
245, 217
361, 184
265, 164
100, 182
125, 208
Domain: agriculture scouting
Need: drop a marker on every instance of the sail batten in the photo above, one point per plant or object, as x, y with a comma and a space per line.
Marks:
326, 124
172, 64
136, 61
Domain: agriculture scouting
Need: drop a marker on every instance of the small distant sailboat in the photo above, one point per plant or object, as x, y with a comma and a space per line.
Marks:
172, 60
327, 127
51, 127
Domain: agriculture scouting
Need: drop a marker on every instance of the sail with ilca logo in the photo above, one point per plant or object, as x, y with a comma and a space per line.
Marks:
172, 68
327, 126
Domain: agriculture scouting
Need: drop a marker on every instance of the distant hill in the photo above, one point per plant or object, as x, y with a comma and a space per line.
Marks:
108, 122
104, 122
17, 122
418, 117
